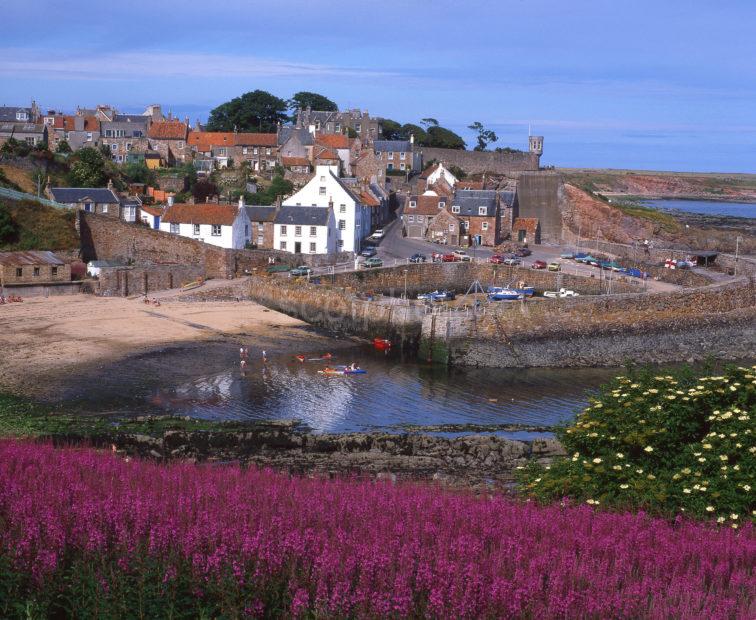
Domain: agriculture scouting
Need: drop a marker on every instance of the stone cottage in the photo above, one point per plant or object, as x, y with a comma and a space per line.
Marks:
32, 266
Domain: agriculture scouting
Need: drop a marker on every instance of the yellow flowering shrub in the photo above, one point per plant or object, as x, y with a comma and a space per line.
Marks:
676, 443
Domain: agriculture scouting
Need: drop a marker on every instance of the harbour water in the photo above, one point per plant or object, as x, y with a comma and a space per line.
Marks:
206, 382
705, 207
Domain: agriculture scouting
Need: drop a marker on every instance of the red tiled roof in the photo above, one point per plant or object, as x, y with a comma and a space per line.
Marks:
369, 200
152, 210
168, 130
295, 161
256, 139
324, 152
335, 140
206, 140
206, 213
470, 185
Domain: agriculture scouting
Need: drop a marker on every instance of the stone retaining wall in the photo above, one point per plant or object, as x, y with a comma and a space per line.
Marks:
476, 162
125, 281
692, 325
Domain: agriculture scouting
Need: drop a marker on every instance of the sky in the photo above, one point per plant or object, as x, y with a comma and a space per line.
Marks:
655, 85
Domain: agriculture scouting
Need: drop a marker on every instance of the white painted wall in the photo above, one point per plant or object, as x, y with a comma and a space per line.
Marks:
324, 238
354, 214
438, 173
231, 237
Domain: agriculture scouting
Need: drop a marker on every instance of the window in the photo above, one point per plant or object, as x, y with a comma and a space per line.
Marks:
441, 204
260, 239
342, 208
378, 155
246, 230
283, 245
19, 272
389, 155
260, 226
297, 231
255, 151
313, 248
451, 227
390, 167
337, 128
54, 271
313, 231
358, 127
317, 125
128, 146
411, 218
88, 207
401, 166
181, 144
283, 231
420, 218
267, 151
321, 190
36, 271
402, 155
322, 179
244, 150
221, 152
89, 136
328, 126
342, 224
340, 244
465, 225
104, 208
413, 204
113, 147
482, 210
22, 116
137, 134
175, 229
195, 229
484, 226
216, 230
455, 208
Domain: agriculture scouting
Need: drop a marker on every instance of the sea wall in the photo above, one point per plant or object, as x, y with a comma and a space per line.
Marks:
341, 311
477, 162
125, 281
718, 321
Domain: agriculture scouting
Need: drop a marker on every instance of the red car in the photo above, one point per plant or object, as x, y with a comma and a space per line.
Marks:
450, 258
539, 264
496, 259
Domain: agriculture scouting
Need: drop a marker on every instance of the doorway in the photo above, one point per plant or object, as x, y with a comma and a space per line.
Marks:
297, 247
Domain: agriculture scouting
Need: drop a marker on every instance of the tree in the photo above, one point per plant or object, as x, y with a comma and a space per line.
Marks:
391, 129
421, 136
88, 169
444, 138
8, 228
429, 122
203, 189
256, 111
138, 172
64, 147
305, 99
485, 136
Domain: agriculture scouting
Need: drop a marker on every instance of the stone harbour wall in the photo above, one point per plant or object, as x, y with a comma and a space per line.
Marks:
718, 321
125, 281
477, 162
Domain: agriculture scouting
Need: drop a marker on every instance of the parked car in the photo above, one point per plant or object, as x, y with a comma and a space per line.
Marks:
368, 251
522, 252
513, 260
562, 292
539, 264
302, 270
461, 255
418, 258
372, 262
567, 255
378, 234
555, 266
496, 259
450, 258
442, 295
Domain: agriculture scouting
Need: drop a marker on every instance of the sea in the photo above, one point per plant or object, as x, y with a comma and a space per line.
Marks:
705, 207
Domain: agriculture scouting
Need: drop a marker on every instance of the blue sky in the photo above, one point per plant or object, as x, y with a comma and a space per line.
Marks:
664, 84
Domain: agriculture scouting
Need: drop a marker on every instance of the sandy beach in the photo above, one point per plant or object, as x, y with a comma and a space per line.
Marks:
44, 339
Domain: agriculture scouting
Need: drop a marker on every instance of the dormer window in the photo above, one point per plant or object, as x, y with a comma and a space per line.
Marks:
455, 208
413, 204
482, 210
22, 116
441, 204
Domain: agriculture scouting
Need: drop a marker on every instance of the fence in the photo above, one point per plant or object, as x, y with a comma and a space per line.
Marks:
13, 194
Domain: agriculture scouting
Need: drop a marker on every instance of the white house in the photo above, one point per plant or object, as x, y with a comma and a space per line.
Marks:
226, 226
326, 191
305, 230
441, 172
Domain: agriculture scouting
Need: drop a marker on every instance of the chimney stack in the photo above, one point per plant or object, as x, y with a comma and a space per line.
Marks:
241, 202
170, 200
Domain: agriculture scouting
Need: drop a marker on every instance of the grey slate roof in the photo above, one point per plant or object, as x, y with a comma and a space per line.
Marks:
305, 137
22, 128
30, 257
8, 113
469, 202
260, 213
131, 118
303, 216
99, 195
394, 146
507, 197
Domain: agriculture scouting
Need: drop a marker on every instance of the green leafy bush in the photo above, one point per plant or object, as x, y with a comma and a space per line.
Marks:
667, 444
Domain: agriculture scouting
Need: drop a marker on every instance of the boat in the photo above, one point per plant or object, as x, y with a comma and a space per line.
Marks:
525, 291
323, 358
342, 370
503, 294
561, 293
382, 344
300, 358
191, 285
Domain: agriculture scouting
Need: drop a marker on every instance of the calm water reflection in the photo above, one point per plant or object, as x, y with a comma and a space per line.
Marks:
207, 383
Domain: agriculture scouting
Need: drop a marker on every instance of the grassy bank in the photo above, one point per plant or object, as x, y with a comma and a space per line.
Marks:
34, 226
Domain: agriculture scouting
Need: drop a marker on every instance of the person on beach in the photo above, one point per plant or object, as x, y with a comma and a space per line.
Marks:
264, 356
243, 365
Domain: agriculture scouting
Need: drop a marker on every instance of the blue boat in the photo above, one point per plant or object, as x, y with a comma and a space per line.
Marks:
525, 291
496, 293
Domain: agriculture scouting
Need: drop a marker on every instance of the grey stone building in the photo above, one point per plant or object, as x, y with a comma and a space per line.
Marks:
124, 132
361, 123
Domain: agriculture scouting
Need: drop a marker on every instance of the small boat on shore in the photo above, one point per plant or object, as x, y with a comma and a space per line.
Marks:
498, 293
381, 344
342, 370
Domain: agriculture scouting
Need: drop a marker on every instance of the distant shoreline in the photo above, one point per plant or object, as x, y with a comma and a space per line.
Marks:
691, 197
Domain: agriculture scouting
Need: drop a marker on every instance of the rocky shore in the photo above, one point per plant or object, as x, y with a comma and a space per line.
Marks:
470, 460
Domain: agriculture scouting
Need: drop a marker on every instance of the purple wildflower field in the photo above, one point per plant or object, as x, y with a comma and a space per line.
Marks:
360, 548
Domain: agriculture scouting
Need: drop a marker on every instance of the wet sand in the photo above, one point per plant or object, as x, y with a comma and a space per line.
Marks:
45, 341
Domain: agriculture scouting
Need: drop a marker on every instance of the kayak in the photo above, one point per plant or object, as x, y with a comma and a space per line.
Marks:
342, 371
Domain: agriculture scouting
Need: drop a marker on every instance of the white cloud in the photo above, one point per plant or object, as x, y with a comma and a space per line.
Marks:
159, 64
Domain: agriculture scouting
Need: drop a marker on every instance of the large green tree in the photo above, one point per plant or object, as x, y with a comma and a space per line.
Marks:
485, 136
391, 129
88, 169
314, 101
257, 112
444, 138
